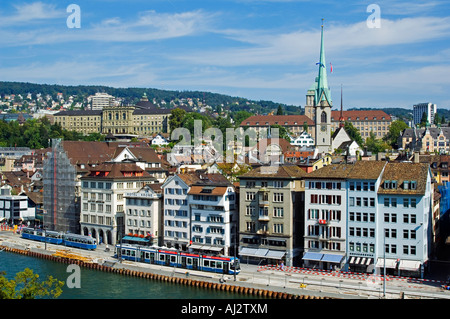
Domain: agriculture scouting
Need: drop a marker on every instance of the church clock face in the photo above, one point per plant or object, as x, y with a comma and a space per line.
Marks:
323, 128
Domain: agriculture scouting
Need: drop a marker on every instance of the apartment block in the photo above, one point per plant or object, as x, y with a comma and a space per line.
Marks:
366, 215
143, 214
271, 215
103, 192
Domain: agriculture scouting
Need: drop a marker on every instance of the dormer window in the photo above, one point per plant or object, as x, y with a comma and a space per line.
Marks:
387, 184
413, 185
394, 184
406, 185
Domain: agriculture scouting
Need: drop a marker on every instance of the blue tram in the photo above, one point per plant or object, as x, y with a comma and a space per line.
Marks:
174, 258
48, 236
79, 241
59, 238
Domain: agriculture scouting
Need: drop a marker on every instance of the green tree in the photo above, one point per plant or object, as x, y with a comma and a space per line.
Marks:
26, 285
282, 132
280, 110
375, 145
240, 116
353, 132
188, 122
176, 118
396, 128
423, 120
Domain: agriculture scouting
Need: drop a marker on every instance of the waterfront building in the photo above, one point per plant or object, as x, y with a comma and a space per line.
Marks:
68, 161
177, 219
103, 190
363, 183
14, 209
143, 214
405, 199
325, 227
360, 215
271, 215
419, 109
214, 216
62, 169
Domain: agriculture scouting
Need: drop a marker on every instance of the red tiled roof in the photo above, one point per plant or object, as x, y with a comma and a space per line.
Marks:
372, 115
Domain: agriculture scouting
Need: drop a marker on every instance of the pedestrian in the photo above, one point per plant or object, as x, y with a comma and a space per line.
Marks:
282, 265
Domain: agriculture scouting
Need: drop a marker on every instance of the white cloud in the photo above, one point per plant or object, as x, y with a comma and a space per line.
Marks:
30, 13
303, 45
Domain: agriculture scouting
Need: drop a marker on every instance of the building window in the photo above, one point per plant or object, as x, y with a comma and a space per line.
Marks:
278, 197
323, 117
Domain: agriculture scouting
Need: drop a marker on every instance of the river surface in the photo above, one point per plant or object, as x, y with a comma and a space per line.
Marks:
103, 285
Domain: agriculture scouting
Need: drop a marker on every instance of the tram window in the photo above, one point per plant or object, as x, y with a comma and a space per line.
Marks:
206, 263
219, 265
133, 253
213, 264
173, 258
189, 261
161, 257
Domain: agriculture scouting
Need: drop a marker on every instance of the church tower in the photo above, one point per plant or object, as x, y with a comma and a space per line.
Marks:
319, 103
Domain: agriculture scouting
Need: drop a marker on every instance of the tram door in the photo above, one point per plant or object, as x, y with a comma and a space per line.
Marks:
167, 261
183, 262
152, 258
226, 266
195, 263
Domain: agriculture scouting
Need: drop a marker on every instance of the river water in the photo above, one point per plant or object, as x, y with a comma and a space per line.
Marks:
103, 285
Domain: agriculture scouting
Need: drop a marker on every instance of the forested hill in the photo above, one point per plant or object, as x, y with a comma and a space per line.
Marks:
132, 95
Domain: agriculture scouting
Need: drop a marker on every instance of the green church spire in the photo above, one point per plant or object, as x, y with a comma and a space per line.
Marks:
323, 92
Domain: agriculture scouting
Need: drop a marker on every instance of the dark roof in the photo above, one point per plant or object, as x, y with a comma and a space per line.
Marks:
81, 152
151, 110
358, 170
117, 171
79, 112
402, 172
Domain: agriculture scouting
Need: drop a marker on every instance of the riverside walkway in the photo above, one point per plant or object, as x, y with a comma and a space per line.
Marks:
289, 280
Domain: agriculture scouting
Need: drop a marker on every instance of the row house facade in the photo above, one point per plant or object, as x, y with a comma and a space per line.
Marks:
366, 215
430, 139
143, 214
271, 214
200, 213
103, 199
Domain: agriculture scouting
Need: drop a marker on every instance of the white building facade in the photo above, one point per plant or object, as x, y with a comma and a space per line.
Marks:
143, 214
213, 219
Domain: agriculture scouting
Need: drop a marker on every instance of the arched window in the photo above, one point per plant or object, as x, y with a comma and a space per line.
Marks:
124, 116
109, 116
323, 117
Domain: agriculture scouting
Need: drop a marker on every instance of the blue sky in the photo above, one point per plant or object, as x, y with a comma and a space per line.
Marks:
256, 49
